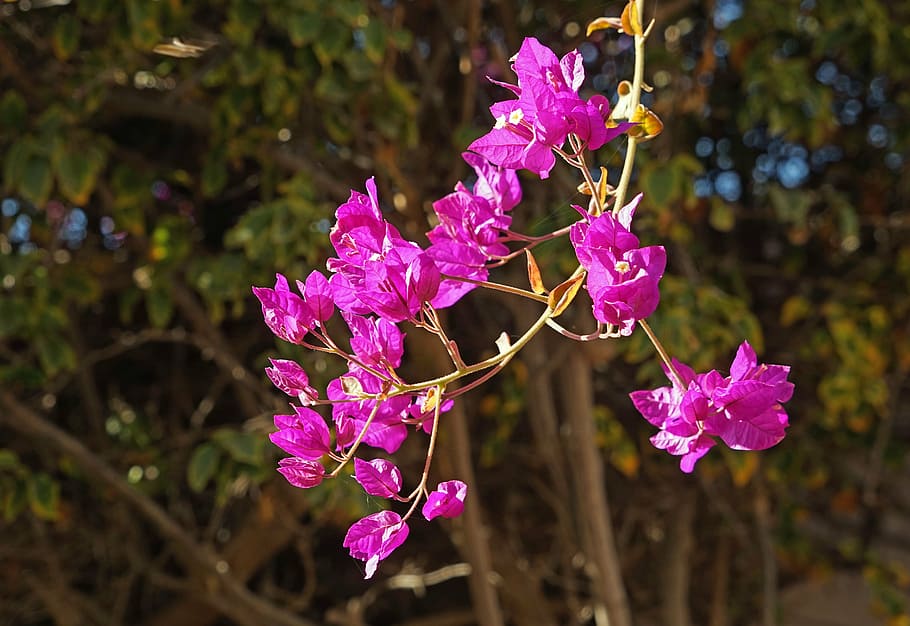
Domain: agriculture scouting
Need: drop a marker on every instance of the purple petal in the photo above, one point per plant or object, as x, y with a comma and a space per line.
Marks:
301, 473
378, 477
446, 501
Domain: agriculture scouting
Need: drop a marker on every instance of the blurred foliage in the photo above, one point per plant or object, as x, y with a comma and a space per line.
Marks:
161, 157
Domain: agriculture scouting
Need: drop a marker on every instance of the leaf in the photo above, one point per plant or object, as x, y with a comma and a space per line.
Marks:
631, 22
303, 28
242, 447
603, 23
13, 111
55, 354
562, 295
65, 38
721, 216
8, 459
159, 305
534, 278
661, 184
202, 466
214, 173
37, 180
14, 499
78, 170
44, 496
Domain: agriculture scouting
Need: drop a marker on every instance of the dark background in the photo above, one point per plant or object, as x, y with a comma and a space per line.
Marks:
150, 181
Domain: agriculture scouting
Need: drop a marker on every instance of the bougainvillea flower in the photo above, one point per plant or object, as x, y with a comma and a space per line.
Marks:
318, 295
622, 278
375, 537
387, 430
285, 313
304, 434
377, 270
377, 342
744, 410
548, 108
290, 378
446, 501
301, 473
378, 477
471, 226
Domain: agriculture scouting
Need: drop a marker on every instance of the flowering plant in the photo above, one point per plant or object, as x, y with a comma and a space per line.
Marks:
379, 279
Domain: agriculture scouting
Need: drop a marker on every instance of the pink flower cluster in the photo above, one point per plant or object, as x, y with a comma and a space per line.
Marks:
379, 279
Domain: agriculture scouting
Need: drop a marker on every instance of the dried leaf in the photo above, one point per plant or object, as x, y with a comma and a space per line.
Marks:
603, 23
631, 23
561, 297
351, 386
534, 275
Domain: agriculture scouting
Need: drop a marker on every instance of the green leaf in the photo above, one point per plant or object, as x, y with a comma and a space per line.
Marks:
242, 447
37, 180
661, 185
13, 315
303, 28
9, 460
78, 170
214, 173
143, 22
375, 40
333, 41
65, 38
55, 354
14, 164
159, 305
202, 466
14, 499
13, 111
44, 496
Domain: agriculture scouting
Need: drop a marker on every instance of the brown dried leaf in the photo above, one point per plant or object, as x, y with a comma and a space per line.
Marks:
534, 277
561, 296
603, 23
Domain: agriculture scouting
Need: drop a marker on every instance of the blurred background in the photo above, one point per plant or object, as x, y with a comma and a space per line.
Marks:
160, 157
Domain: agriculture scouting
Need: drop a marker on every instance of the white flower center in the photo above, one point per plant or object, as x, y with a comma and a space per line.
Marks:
622, 267
516, 116
500, 122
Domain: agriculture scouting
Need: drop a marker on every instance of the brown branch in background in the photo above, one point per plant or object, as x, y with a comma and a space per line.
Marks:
263, 534
678, 568
219, 587
762, 510
455, 459
466, 63
476, 545
222, 353
720, 589
544, 421
577, 395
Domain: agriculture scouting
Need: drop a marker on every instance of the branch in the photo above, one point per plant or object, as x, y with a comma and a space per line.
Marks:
577, 398
220, 589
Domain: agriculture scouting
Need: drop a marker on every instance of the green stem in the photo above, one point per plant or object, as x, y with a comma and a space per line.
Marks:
637, 81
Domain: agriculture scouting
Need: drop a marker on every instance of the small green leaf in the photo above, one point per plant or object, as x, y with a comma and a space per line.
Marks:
14, 499
159, 306
37, 180
9, 460
65, 38
661, 185
55, 354
721, 216
78, 170
44, 496
242, 447
303, 28
202, 466
13, 111
214, 174
14, 164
